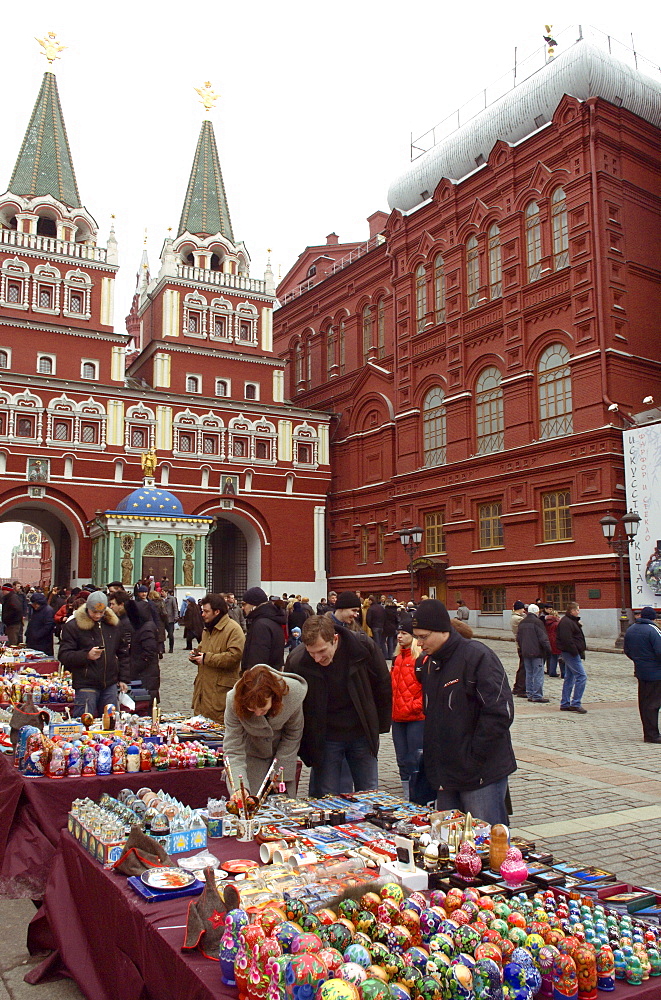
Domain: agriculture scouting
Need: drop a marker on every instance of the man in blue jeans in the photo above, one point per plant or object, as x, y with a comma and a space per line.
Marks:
571, 642
347, 704
534, 646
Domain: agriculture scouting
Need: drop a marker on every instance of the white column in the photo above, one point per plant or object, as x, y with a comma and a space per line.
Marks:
320, 544
115, 424
284, 440
107, 301
117, 362
267, 329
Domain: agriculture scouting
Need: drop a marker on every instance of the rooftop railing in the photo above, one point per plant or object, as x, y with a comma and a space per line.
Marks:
48, 244
238, 281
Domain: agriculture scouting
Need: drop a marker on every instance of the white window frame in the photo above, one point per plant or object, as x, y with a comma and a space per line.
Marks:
89, 361
45, 275
227, 382
7, 351
251, 399
139, 416
194, 302
305, 434
48, 357
80, 284
198, 391
18, 271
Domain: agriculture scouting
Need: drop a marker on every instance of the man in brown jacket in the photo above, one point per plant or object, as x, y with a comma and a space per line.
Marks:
218, 658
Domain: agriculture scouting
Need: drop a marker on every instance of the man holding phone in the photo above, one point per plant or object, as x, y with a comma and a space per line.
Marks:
95, 649
218, 658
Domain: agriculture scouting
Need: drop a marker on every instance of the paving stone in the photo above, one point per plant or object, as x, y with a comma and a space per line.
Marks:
59, 989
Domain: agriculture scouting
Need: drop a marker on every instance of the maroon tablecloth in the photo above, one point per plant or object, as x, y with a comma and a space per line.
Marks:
113, 944
33, 811
117, 947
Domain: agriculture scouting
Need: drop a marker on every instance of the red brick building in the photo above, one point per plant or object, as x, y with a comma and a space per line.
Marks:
204, 387
472, 357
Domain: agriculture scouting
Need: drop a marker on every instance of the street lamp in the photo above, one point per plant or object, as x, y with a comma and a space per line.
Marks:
620, 533
410, 539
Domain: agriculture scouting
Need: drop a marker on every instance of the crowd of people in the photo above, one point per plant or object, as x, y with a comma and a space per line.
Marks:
325, 683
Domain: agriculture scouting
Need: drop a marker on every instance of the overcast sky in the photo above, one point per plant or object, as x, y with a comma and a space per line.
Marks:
317, 106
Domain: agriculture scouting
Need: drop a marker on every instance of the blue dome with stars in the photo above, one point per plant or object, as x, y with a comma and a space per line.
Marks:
151, 501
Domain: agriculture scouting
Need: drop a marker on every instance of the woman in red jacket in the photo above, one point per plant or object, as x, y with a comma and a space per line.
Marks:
408, 719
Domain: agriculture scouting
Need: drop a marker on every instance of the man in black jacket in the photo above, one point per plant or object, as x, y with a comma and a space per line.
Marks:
348, 703
571, 642
12, 614
534, 646
265, 640
96, 652
468, 713
41, 626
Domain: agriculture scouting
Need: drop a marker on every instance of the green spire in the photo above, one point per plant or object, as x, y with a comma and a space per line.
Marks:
205, 211
44, 164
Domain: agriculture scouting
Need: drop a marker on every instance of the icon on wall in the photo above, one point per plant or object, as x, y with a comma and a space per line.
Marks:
229, 486
38, 470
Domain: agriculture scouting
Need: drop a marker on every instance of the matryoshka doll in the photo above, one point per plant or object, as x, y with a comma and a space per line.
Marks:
35, 757
258, 979
56, 766
89, 759
74, 761
605, 968
229, 947
545, 961
303, 977
24, 733
565, 979
145, 758
103, 759
119, 759
276, 969
487, 982
586, 971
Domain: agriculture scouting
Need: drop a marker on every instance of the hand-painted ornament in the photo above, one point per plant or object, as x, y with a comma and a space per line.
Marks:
513, 868
337, 989
352, 973
373, 988
467, 861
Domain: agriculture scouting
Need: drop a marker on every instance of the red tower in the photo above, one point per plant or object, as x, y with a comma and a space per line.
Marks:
204, 389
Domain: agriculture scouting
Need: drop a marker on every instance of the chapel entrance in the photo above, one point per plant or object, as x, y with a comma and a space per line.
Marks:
158, 561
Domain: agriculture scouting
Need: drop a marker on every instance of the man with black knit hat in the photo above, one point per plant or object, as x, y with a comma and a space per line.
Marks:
265, 639
468, 713
346, 610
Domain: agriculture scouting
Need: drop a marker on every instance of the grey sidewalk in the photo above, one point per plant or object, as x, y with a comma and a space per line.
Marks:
587, 787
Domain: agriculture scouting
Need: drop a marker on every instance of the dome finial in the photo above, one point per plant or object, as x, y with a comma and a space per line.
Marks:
550, 41
51, 47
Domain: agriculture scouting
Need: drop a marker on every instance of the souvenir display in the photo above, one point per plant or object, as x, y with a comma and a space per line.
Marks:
167, 878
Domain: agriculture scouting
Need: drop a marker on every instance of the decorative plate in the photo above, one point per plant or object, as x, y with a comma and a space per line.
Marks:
218, 875
239, 865
167, 878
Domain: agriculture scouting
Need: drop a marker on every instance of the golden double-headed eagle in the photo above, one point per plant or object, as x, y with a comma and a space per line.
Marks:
51, 47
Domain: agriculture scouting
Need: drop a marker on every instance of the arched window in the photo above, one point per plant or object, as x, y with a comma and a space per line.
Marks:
367, 331
472, 272
62, 430
330, 352
533, 241
4, 359
250, 390
489, 412
341, 346
495, 264
433, 427
560, 236
439, 288
193, 383
222, 387
420, 297
555, 402
381, 328
45, 365
298, 365
88, 369
138, 437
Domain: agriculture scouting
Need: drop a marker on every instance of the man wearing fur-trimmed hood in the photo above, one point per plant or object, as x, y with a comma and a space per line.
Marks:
96, 651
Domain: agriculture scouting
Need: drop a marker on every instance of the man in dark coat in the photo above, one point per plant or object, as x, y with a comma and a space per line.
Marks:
192, 622
143, 656
376, 621
534, 646
12, 614
642, 644
469, 709
265, 641
95, 650
571, 642
41, 626
348, 703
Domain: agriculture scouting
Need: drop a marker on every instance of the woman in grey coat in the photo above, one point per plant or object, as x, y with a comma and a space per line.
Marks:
263, 720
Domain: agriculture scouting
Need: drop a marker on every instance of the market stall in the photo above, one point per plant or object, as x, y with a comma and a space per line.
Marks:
526, 920
33, 812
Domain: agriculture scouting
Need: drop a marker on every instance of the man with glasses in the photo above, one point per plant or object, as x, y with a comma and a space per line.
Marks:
468, 709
